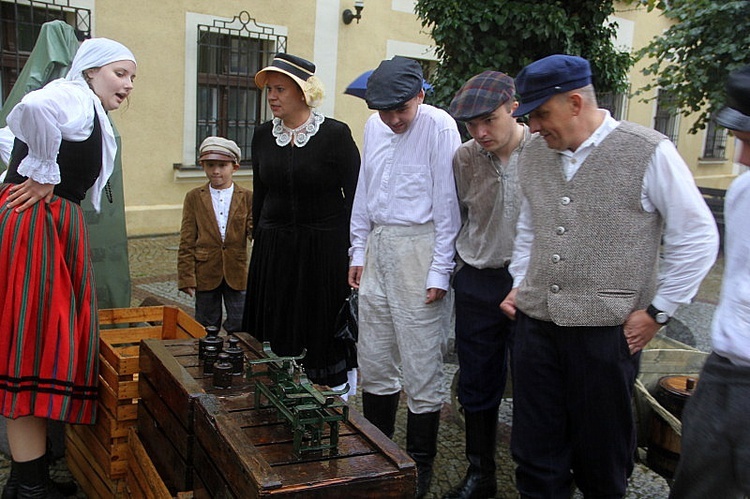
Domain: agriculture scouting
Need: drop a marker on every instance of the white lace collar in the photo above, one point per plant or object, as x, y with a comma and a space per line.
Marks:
300, 135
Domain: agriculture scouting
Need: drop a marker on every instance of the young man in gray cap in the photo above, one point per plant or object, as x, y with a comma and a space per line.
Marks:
715, 457
486, 171
590, 289
404, 223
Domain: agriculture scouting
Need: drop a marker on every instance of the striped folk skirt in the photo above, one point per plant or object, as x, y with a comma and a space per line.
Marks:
49, 331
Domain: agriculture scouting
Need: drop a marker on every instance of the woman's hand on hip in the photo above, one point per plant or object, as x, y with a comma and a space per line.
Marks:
27, 194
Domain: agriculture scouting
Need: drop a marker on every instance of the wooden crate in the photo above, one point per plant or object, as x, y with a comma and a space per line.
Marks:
249, 454
98, 454
235, 450
171, 380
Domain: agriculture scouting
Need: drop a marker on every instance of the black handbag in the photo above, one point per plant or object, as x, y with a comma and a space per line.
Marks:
346, 319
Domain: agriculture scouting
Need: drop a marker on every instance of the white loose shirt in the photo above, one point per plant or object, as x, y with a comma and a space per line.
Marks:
731, 324
407, 179
63, 109
690, 238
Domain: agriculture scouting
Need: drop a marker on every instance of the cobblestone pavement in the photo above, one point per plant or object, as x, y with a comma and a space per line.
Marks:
153, 266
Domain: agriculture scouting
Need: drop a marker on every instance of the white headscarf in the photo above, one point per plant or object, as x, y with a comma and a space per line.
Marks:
95, 53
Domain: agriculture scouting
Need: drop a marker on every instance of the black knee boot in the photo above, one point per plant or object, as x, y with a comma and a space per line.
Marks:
10, 491
380, 410
481, 434
34, 482
421, 445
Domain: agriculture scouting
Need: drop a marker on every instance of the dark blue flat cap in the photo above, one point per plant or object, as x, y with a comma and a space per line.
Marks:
393, 83
554, 74
736, 114
481, 95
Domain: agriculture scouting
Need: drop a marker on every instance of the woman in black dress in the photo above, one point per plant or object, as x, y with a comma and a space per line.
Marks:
305, 169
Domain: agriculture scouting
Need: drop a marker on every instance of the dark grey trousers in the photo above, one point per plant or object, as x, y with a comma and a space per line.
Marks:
715, 455
208, 309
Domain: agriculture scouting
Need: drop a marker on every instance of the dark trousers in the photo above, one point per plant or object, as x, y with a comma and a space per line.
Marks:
572, 412
482, 336
208, 309
715, 454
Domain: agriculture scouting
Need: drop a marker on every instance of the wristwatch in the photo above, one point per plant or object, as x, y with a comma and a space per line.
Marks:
659, 317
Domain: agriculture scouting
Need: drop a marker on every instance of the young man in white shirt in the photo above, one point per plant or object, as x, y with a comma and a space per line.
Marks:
404, 224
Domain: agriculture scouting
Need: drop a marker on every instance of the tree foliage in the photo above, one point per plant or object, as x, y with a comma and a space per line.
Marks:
475, 35
692, 59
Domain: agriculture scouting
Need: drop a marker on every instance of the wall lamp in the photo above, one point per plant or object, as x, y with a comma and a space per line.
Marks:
348, 16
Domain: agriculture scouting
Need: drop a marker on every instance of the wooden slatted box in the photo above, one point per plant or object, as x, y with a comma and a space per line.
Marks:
171, 380
98, 454
234, 450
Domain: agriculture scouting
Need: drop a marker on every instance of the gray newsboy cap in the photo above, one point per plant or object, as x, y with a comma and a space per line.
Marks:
393, 83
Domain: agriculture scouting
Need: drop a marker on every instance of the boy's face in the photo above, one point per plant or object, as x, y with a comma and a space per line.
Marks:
219, 172
399, 120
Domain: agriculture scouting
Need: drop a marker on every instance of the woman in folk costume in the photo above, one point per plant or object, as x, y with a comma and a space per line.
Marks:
49, 330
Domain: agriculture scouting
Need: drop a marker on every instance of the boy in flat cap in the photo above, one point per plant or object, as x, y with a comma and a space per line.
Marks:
404, 223
715, 457
590, 286
486, 171
216, 224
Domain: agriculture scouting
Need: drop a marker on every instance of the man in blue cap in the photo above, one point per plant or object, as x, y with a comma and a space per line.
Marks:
486, 171
590, 289
715, 445
403, 228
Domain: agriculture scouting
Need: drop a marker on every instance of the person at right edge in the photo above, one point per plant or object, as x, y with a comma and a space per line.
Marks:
613, 235
715, 457
486, 172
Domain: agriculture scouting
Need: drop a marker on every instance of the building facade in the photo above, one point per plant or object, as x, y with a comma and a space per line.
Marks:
197, 58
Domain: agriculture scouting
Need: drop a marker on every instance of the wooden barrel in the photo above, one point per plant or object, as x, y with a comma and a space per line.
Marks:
664, 443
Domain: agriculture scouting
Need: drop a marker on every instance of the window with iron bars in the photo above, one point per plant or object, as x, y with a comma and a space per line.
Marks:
20, 23
229, 104
716, 141
612, 102
666, 118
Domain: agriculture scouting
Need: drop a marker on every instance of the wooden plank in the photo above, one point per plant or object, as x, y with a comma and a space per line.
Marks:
170, 323
208, 481
88, 473
131, 315
174, 386
143, 469
107, 428
158, 413
187, 327
123, 410
115, 379
123, 359
131, 335
134, 488
240, 463
175, 472
113, 458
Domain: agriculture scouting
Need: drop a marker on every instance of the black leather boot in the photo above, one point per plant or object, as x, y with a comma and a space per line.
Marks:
421, 445
10, 491
380, 410
481, 435
34, 482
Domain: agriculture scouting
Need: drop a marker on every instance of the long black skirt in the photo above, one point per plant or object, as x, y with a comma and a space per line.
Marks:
297, 282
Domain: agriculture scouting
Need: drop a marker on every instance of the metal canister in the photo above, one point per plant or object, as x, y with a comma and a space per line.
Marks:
211, 338
210, 356
236, 355
223, 371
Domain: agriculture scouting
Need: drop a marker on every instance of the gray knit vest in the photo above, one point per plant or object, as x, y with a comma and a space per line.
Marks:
595, 250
